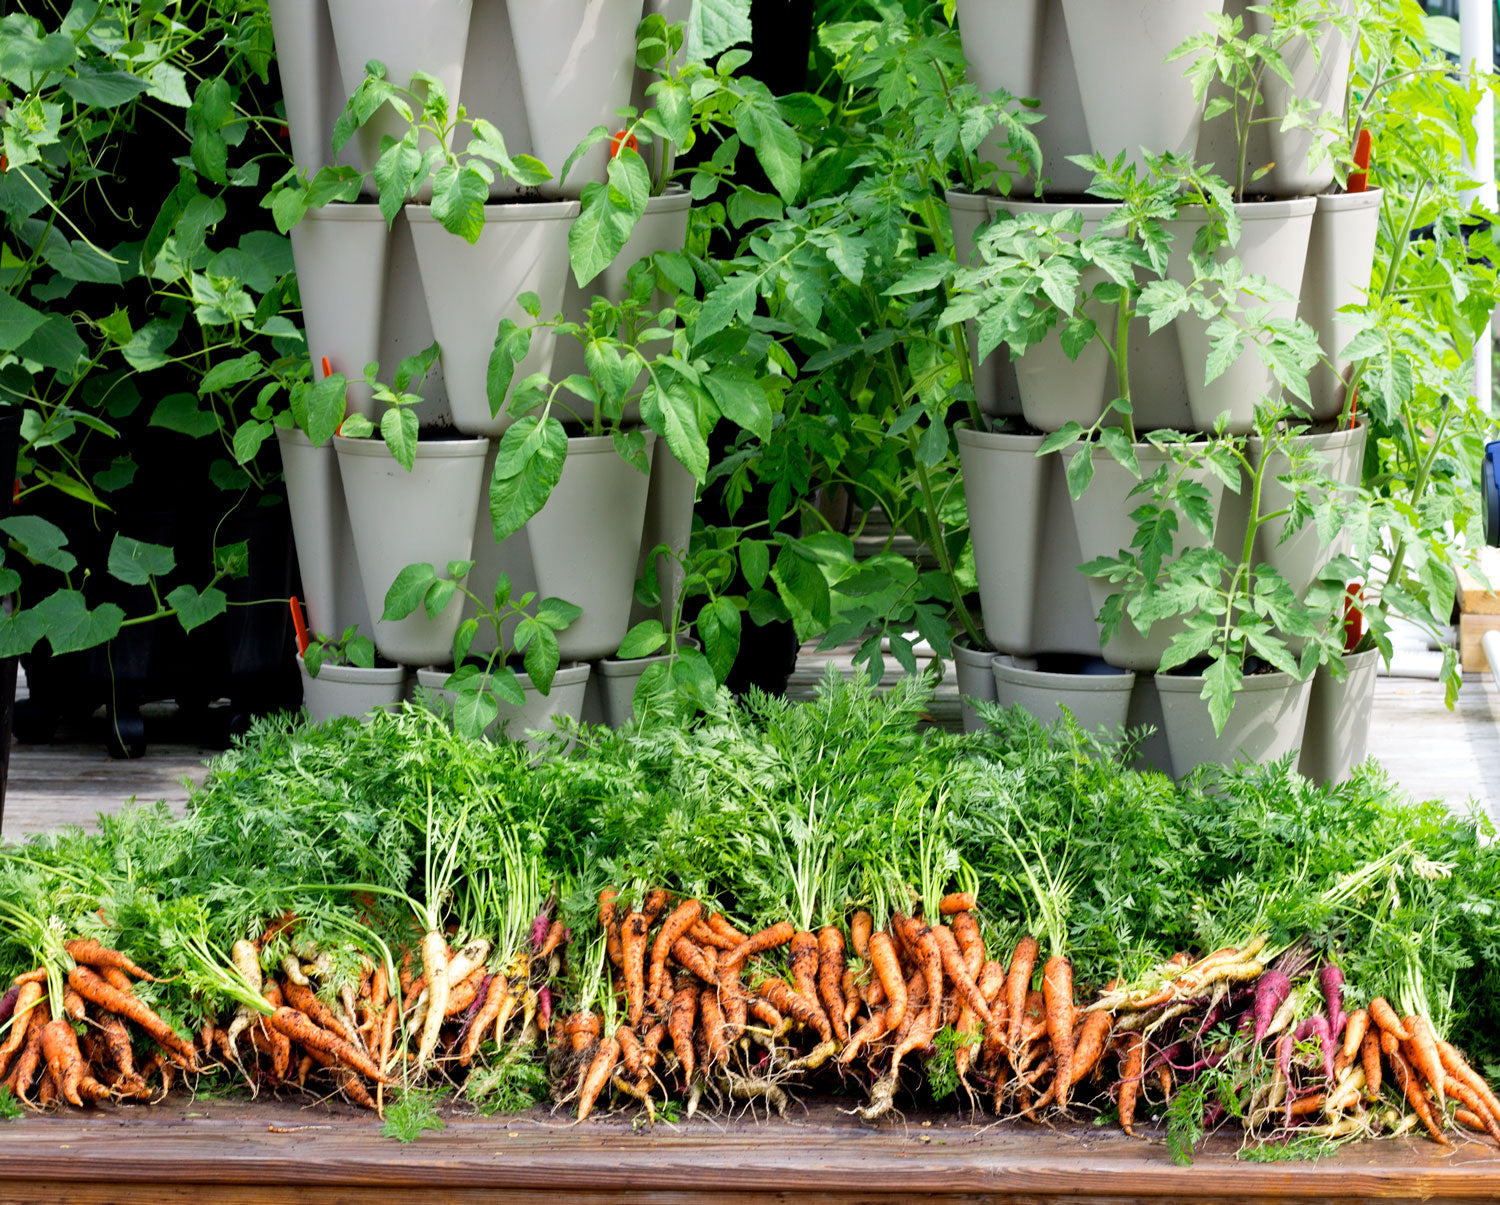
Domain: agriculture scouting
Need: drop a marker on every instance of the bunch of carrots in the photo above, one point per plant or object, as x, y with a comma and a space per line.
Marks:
1290, 1059
43, 1060
698, 1008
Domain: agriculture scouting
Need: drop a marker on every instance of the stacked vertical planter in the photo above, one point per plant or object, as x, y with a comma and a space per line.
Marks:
544, 72
1099, 71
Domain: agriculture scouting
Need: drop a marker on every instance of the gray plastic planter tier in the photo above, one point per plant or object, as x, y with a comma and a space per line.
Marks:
1103, 524
1056, 390
1273, 243
995, 377
1320, 76
670, 499
540, 711
407, 36
610, 699
400, 518
975, 681
1340, 258
342, 257
577, 64
1269, 714
1302, 555
1097, 701
512, 557
308, 65
331, 586
586, 543
1023, 47
1025, 550
469, 289
662, 228
340, 690
1337, 735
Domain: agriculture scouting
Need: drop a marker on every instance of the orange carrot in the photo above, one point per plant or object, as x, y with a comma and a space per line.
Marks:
21, 1021
888, 971
1454, 1064
734, 1001
682, 918
60, 1049
91, 953
931, 963
298, 1028
958, 973
701, 933
767, 939
692, 958
831, 979
861, 925
1422, 1052
1017, 983
719, 923
957, 901
633, 952
917, 1038
715, 1035
1472, 1121
1307, 1104
793, 1004
484, 1019
31, 1054
1385, 1016
609, 922
766, 1013
1461, 1091
117, 1042
970, 942
1057, 996
1410, 1085
93, 989
804, 966
303, 999
37, 976
1369, 1053
849, 990
680, 1022
555, 934
1092, 1036
461, 995
598, 1074
652, 905
631, 1055
874, 1027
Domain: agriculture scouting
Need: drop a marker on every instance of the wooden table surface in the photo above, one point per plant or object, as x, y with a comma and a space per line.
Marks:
235, 1151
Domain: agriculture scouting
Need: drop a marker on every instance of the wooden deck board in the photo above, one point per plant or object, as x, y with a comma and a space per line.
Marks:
187, 1149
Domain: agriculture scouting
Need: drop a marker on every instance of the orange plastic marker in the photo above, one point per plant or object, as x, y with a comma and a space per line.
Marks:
1359, 179
299, 625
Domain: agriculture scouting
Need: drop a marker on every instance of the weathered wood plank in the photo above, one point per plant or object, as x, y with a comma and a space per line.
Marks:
120, 1151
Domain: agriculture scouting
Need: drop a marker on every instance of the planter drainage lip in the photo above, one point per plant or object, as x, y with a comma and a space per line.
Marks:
597, 445
1343, 202
1122, 680
999, 440
569, 673
1270, 210
634, 667
976, 202
674, 200
1250, 684
435, 449
347, 211
381, 675
510, 211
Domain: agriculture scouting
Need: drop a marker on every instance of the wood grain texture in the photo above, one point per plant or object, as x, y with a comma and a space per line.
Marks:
226, 1151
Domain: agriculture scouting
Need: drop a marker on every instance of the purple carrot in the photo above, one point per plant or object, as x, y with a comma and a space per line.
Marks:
8, 1004
1284, 1065
1269, 996
479, 999
544, 1006
1207, 1063
539, 929
1317, 1026
1166, 1055
1331, 979
1213, 1115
